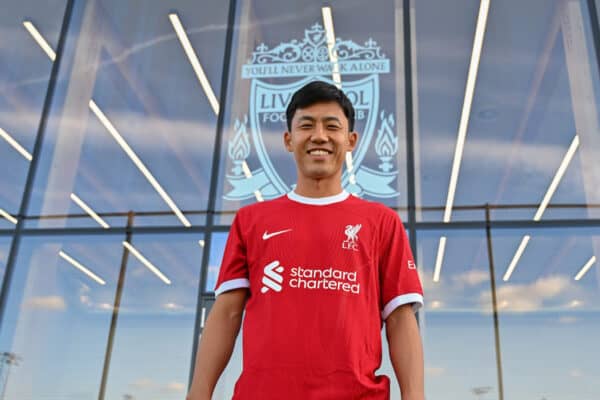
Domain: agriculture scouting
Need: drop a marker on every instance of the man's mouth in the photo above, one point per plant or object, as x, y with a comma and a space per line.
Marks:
319, 152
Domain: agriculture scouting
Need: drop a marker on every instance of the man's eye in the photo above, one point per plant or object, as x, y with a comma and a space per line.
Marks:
305, 126
333, 127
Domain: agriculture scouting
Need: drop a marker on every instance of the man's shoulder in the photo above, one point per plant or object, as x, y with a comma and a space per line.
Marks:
261, 207
372, 208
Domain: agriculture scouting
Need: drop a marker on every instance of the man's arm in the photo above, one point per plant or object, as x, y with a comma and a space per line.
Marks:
406, 352
216, 345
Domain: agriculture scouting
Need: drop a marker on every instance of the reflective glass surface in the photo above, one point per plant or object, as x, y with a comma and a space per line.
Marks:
549, 312
280, 46
57, 323
456, 322
525, 136
133, 121
24, 77
5, 242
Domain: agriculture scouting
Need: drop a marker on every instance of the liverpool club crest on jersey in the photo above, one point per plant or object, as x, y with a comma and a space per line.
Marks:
275, 74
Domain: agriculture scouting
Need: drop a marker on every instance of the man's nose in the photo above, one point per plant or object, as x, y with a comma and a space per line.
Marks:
319, 134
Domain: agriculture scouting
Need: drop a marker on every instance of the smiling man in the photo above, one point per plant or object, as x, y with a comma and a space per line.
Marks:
317, 272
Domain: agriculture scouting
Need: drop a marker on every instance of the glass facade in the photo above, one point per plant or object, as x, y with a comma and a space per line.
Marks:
132, 132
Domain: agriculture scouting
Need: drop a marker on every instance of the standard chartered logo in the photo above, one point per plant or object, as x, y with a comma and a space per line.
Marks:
310, 278
272, 278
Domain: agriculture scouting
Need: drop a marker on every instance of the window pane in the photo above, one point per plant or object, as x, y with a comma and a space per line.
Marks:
456, 322
531, 138
5, 242
549, 320
217, 248
151, 351
132, 127
24, 76
280, 46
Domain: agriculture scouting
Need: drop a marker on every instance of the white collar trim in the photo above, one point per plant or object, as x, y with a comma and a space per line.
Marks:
318, 201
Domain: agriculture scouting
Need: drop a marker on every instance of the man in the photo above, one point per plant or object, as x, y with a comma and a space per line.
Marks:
317, 272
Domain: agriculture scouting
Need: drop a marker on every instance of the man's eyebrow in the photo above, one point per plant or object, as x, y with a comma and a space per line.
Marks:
324, 119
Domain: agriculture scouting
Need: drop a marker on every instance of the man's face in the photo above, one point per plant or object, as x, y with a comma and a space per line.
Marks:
319, 140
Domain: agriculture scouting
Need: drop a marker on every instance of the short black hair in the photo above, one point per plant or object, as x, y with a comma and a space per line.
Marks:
319, 92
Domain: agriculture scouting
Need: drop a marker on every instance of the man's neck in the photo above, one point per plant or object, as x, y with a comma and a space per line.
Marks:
318, 188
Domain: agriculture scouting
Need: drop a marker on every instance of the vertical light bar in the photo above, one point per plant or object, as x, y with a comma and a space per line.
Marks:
80, 267
330, 35
147, 263
89, 210
516, 258
136, 160
193, 58
15, 144
465, 115
201, 242
37, 36
466, 110
439, 259
557, 178
585, 268
9, 217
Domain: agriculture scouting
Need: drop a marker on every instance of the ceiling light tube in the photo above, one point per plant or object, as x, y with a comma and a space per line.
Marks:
466, 110
89, 210
585, 268
330, 35
37, 36
439, 259
81, 268
147, 263
516, 257
201, 242
15, 144
193, 58
136, 160
557, 178
7, 216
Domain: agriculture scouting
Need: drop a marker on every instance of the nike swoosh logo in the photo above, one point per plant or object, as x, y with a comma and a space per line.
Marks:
267, 235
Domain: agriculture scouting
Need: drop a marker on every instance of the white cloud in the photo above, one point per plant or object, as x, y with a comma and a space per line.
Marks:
149, 384
435, 371
53, 303
473, 277
527, 297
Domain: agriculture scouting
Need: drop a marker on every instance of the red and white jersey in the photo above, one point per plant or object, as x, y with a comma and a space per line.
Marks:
323, 275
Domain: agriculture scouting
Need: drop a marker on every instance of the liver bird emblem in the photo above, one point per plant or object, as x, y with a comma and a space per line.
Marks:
352, 232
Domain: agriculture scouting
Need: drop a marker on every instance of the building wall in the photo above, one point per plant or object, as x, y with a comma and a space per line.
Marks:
132, 132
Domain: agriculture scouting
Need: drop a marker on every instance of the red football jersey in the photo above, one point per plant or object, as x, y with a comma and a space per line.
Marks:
323, 275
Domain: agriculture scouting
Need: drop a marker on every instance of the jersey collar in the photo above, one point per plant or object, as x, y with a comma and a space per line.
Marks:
318, 201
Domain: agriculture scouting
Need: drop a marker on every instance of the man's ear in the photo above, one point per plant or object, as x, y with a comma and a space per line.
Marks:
287, 141
352, 140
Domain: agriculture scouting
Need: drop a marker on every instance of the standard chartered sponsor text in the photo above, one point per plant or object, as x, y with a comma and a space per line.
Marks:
327, 279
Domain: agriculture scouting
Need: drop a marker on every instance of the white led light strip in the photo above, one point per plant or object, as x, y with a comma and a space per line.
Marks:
89, 210
80, 267
138, 163
147, 263
464, 120
544, 204
37, 36
191, 54
330, 34
8, 217
15, 144
585, 268
117, 136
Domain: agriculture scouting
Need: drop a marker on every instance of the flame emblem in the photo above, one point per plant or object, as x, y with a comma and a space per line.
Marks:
386, 144
239, 145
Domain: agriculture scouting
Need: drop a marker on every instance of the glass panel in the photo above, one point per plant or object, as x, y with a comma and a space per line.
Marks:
132, 126
456, 322
280, 46
531, 138
24, 76
549, 319
152, 342
217, 248
5, 242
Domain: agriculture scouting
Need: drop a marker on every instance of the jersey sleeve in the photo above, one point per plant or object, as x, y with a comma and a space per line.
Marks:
399, 279
233, 273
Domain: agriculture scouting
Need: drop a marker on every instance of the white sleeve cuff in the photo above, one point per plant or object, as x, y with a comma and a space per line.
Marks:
232, 284
415, 298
